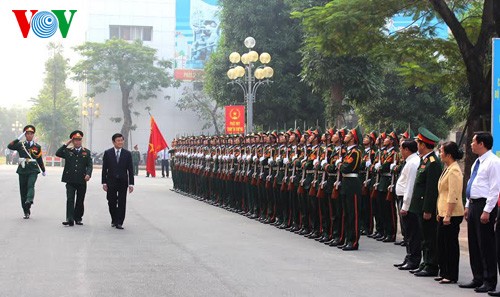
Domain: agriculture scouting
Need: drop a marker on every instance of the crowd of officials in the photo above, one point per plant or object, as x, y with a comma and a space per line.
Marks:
337, 185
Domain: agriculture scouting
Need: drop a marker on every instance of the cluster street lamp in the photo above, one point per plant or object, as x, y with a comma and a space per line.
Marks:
17, 127
90, 110
248, 79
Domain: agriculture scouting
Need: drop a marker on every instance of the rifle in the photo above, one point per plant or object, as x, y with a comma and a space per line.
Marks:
364, 190
283, 182
373, 194
336, 184
391, 186
291, 185
270, 174
321, 191
312, 188
301, 189
254, 175
275, 181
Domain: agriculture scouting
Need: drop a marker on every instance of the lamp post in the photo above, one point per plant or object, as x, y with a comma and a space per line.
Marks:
248, 79
17, 127
91, 111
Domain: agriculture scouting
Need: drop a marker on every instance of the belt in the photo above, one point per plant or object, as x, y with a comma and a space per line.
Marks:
310, 171
275, 168
332, 174
350, 175
386, 174
266, 166
476, 200
30, 160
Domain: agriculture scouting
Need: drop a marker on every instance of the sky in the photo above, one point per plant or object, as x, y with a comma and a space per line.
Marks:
22, 60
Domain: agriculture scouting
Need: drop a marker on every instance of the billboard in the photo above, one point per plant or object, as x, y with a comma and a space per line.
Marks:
235, 119
495, 97
197, 32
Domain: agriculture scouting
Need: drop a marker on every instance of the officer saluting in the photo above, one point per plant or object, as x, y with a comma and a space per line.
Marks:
30, 164
77, 172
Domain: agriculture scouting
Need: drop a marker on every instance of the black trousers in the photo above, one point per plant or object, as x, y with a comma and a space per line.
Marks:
429, 243
482, 254
74, 208
164, 168
414, 238
117, 202
448, 248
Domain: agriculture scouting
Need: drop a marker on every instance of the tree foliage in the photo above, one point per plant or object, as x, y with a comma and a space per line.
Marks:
55, 110
8, 117
287, 99
132, 65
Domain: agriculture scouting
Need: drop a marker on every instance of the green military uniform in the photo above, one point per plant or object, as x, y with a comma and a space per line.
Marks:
136, 158
30, 165
424, 200
78, 164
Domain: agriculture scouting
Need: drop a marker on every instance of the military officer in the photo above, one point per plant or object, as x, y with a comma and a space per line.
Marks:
136, 158
30, 165
76, 174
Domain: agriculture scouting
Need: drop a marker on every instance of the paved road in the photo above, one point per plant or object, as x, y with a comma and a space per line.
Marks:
173, 245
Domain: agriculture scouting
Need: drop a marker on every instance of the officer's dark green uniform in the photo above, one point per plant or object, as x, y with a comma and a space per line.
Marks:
136, 158
78, 165
424, 199
30, 165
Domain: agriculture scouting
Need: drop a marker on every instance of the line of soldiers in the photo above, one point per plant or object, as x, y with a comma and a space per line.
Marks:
332, 186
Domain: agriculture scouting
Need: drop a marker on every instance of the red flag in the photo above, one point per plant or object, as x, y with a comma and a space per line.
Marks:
156, 144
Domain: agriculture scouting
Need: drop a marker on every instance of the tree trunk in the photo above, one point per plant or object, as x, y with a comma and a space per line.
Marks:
334, 107
213, 113
127, 115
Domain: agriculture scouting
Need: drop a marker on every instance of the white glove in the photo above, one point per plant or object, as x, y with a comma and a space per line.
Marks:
323, 163
286, 161
294, 158
254, 158
392, 166
238, 158
377, 166
262, 159
249, 157
44, 173
338, 162
368, 163
21, 136
278, 159
315, 162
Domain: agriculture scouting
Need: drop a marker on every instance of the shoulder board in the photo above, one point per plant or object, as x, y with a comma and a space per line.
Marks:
432, 159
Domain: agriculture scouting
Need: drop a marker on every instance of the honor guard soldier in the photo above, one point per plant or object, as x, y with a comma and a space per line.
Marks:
366, 205
350, 192
30, 165
76, 174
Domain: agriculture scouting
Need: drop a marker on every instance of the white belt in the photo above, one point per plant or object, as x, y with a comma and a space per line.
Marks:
350, 175
386, 174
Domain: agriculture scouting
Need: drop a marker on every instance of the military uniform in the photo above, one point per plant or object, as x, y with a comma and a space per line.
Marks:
136, 158
30, 165
77, 166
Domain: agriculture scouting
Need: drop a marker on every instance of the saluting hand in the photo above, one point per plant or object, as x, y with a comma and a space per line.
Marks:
68, 142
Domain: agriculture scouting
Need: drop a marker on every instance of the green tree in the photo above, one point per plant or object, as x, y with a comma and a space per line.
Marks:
55, 109
285, 100
132, 65
8, 117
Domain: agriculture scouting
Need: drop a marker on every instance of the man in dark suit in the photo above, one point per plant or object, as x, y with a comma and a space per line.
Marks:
117, 177
77, 172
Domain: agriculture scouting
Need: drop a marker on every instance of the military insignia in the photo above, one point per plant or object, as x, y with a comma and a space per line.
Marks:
425, 160
422, 166
84, 153
432, 158
349, 160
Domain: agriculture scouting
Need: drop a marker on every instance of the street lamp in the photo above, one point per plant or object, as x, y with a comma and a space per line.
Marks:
90, 110
246, 78
17, 127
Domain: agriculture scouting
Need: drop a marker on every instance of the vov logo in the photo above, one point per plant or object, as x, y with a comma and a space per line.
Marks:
44, 23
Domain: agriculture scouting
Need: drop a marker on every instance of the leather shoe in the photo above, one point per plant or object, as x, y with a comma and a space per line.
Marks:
494, 293
119, 227
79, 223
484, 288
389, 239
70, 223
418, 269
425, 273
470, 285
400, 264
26, 216
350, 248
408, 266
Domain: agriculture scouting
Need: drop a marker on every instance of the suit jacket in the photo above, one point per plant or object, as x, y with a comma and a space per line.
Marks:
425, 191
77, 164
450, 191
117, 173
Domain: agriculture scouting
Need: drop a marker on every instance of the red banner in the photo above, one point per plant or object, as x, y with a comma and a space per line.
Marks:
156, 143
188, 74
235, 119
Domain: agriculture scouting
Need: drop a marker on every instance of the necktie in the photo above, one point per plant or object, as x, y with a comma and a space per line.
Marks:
117, 156
471, 180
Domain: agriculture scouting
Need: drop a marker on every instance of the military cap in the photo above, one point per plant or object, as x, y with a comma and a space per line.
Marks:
408, 134
394, 137
342, 133
330, 131
373, 136
426, 136
29, 128
77, 134
356, 133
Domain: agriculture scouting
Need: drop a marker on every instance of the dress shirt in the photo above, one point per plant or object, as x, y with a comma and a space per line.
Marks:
406, 180
164, 155
487, 181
